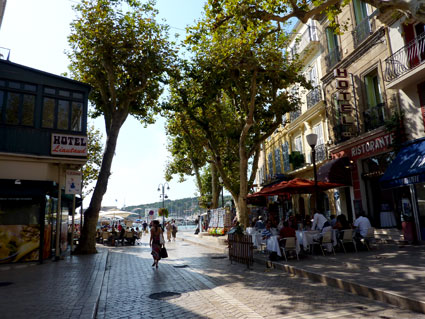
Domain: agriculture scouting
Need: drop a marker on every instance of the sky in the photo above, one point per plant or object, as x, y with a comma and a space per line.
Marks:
36, 33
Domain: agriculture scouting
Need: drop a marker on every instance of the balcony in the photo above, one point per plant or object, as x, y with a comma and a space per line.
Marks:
294, 115
333, 57
374, 117
4, 53
313, 97
362, 31
406, 59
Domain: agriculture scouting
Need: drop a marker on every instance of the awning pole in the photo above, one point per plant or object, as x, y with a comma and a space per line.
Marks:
58, 214
415, 212
72, 227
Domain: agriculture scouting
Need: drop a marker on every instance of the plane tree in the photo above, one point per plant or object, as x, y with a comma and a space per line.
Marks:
119, 48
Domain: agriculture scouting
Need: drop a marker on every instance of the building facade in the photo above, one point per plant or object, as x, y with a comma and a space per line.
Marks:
43, 145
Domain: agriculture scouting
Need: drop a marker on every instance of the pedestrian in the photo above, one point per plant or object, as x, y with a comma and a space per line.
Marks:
145, 226
155, 242
168, 227
174, 230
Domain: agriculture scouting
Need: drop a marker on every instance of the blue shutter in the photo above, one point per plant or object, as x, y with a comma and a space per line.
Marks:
277, 160
285, 154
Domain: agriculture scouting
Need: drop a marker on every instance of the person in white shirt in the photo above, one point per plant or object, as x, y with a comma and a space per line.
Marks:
361, 225
319, 221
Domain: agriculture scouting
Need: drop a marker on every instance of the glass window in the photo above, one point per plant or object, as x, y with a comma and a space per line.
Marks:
64, 93
28, 106
12, 108
14, 85
49, 90
319, 132
48, 112
30, 87
77, 95
360, 11
298, 144
373, 91
63, 115
76, 116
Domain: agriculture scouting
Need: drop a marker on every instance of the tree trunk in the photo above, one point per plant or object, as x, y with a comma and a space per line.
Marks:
215, 191
87, 244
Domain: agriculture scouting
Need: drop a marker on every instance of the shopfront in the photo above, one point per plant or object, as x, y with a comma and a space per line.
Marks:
367, 158
405, 177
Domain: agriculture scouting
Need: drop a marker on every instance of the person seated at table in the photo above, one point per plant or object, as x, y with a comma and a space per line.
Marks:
121, 235
285, 232
361, 225
319, 221
281, 223
113, 236
259, 224
267, 232
250, 230
341, 224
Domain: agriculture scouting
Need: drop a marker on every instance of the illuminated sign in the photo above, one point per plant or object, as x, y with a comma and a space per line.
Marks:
343, 97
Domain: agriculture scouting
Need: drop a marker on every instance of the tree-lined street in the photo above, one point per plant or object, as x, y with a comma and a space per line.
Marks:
206, 286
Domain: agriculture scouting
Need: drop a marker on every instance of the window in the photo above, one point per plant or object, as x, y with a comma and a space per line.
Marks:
76, 116
298, 144
270, 164
374, 114
318, 130
12, 108
62, 109
28, 106
373, 91
333, 56
363, 28
63, 115
360, 11
48, 113
277, 160
17, 107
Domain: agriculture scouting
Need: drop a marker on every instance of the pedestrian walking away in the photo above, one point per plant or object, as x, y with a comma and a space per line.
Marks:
168, 227
174, 230
155, 242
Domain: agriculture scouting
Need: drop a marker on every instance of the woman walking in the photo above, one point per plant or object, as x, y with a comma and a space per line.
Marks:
168, 228
155, 242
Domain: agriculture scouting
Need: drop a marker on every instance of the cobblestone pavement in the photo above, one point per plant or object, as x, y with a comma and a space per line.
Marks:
211, 287
65, 289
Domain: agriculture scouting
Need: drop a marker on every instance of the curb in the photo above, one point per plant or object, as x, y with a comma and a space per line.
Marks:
346, 285
102, 271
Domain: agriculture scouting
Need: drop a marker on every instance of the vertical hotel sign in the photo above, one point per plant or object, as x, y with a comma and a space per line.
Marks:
69, 145
344, 97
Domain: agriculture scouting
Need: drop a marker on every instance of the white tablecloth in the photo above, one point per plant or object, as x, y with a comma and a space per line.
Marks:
273, 245
257, 239
305, 238
388, 219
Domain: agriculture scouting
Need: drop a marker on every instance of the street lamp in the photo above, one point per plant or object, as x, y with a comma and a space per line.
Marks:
164, 196
312, 141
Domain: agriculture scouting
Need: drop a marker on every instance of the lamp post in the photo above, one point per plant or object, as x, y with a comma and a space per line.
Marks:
162, 187
312, 141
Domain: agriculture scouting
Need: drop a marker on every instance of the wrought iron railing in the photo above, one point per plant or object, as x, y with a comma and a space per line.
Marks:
362, 31
321, 154
333, 57
313, 97
294, 115
405, 59
374, 117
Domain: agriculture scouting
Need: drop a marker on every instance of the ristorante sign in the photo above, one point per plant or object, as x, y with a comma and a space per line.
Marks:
69, 145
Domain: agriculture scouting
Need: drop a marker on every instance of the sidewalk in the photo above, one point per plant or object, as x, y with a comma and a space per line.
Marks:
69, 288
390, 273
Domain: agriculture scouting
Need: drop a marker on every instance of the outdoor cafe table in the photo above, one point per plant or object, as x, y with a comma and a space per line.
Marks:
273, 245
305, 238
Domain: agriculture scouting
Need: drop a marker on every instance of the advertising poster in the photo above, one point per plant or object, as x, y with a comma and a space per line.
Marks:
19, 243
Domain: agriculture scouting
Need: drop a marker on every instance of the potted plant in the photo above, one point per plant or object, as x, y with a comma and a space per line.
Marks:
163, 212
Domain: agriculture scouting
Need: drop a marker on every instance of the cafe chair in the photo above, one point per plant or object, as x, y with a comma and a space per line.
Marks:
105, 237
327, 240
369, 238
290, 245
347, 238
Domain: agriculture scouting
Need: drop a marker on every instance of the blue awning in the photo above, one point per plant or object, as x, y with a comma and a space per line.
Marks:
408, 167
